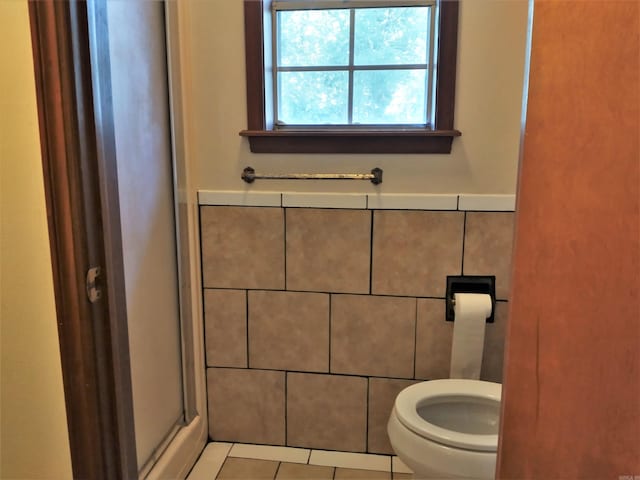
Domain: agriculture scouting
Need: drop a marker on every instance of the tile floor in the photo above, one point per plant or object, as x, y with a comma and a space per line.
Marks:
226, 461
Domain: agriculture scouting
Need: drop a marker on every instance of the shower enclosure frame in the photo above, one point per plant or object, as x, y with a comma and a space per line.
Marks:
80, 176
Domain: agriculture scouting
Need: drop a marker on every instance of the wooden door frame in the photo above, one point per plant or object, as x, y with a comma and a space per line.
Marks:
78, 157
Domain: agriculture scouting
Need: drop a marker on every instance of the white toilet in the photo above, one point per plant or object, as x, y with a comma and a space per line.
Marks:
449, 428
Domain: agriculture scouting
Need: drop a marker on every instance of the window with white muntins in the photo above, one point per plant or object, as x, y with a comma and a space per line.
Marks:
350, 76
353, 62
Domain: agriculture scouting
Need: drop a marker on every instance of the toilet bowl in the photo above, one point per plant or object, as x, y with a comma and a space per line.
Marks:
447, 428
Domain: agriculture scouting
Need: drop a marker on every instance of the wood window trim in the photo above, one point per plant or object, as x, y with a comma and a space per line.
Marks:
262, 139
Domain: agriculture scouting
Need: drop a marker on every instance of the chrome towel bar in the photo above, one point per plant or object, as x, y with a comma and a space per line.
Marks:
249, 175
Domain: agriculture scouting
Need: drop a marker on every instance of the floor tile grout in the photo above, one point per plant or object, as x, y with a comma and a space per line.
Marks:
347, 460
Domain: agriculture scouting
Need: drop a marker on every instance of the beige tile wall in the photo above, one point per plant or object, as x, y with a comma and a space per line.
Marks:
327, 411
316, 318
373, 335
328, 250
413, 252
289, 331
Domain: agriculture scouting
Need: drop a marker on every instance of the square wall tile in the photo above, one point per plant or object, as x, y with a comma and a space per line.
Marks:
327, 411
373, 335
487, 248
382, 396
289, 331
328, 250
434, 336
494, 338
246, 405
413, 252
242, 247
225, 328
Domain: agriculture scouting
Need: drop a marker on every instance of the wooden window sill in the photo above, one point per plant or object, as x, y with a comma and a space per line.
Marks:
351, 141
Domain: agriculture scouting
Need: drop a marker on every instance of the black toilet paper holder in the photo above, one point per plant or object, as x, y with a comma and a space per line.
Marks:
470, 284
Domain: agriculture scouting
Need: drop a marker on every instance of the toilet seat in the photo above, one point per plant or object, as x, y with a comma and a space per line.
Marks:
447, 391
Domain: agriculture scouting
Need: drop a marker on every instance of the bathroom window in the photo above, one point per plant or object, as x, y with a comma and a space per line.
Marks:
352, 66
350, 76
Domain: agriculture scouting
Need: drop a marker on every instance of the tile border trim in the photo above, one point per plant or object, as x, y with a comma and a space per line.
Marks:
402, 201
487, 203
239, 198
363, 201
324, 200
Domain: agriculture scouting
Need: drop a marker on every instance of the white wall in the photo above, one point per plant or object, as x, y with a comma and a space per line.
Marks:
488, 100
33, 424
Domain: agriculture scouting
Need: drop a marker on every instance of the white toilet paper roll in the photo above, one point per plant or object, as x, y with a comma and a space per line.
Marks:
471, 311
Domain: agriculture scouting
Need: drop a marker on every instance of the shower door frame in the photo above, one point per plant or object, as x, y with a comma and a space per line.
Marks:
80, 176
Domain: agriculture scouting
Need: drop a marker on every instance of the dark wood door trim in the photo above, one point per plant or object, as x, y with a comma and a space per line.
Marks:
81, 184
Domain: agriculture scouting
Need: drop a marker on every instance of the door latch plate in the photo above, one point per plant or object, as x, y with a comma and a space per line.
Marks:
93, 291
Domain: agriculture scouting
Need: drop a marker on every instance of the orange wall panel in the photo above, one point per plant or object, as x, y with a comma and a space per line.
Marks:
571, 398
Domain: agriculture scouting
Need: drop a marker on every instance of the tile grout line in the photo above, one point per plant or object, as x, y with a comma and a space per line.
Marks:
464, 237
281, 459
284, 226
366, 432
222, 466
200, 209
415, 340
246, 297
203, 310
360, 294
275, 475
367, 203
286, 395
371, 254
330, 320
316, 372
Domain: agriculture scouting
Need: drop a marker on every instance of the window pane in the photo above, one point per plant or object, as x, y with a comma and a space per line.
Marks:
313, 38
389, 97
313, 98
391, 36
